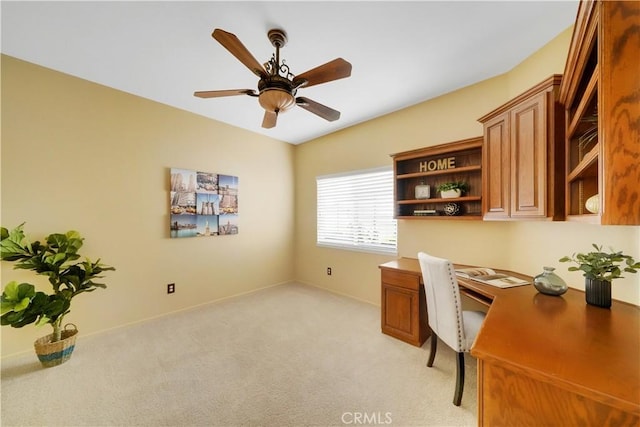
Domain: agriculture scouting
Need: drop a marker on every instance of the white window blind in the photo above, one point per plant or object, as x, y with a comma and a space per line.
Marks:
355, 211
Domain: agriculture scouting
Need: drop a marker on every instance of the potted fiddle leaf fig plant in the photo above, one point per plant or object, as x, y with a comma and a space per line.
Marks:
58, 259
600, 268
453, 189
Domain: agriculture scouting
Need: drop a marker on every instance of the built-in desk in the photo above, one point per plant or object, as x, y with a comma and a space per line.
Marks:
545, 360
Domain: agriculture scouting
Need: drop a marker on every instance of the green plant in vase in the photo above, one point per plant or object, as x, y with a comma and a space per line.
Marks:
452, 189
56, 258
600, 268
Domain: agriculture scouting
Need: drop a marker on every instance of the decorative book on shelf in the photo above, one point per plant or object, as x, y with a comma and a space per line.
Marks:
491, 277
425, 212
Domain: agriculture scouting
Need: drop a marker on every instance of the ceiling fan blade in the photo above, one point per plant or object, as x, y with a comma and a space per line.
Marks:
219, 93
237, 49
318, 109
332, 70
269, 120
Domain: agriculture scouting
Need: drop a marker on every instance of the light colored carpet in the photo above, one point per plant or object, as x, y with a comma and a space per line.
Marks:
290, 355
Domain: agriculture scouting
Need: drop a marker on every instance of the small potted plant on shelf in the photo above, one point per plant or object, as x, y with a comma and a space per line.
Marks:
600, 269
22, 305
453, 189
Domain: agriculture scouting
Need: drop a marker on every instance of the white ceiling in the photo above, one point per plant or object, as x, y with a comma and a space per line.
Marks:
402, 53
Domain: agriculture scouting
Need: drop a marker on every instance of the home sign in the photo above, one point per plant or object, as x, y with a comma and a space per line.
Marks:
438, 164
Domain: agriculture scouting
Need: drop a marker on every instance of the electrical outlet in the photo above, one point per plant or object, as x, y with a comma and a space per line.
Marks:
328, 271
171, 288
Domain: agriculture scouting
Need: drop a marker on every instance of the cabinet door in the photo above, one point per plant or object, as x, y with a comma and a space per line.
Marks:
528, 126
400, 313
496, 168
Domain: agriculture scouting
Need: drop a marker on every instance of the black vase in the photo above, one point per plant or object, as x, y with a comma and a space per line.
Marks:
598, 292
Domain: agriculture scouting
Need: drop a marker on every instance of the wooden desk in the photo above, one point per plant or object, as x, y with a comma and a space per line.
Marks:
546, 360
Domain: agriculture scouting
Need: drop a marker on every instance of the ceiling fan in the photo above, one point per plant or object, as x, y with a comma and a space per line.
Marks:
277, 86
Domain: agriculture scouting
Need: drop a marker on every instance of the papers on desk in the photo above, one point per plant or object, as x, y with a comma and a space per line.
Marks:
491, 277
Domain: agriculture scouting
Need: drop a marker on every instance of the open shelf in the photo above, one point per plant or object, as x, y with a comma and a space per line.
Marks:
588, 166
453, 162
579, 95
476, 168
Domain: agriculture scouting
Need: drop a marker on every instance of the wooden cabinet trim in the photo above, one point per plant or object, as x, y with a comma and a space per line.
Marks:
434, 150
582, 42
497, 150
401, 279
590, 92
529, 158
544, 85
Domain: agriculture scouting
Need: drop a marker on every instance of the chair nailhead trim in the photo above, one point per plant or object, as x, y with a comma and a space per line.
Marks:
458, 308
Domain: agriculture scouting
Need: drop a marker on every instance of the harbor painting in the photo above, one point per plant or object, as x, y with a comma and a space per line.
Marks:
203, 204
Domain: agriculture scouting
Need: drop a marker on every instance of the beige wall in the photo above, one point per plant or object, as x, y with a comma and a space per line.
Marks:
83, 156
524, 246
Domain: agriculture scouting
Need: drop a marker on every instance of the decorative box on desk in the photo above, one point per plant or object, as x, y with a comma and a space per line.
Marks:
404, 307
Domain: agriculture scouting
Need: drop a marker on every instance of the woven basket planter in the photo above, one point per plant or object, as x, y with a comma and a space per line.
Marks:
55, 353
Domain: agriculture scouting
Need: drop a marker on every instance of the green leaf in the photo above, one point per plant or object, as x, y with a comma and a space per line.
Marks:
602, 265
16, 297
10, 318
22, 304
56, 240
56, 307
14, 246
6, 306
11, 291
24, 321
30, 314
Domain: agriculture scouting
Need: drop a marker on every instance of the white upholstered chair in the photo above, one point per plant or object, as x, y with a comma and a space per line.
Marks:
447, 320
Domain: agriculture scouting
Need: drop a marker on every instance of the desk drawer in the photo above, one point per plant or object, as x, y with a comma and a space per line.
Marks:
400, 279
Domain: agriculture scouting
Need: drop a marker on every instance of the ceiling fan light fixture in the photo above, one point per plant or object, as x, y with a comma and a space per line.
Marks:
277, 86
276, 100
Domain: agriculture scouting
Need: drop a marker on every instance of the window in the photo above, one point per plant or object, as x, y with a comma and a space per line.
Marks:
355, 211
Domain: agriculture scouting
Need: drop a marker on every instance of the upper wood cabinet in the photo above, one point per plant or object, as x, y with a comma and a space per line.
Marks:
601, 95
523, 156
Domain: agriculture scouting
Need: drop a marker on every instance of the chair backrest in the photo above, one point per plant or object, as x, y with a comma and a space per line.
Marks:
444, 307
